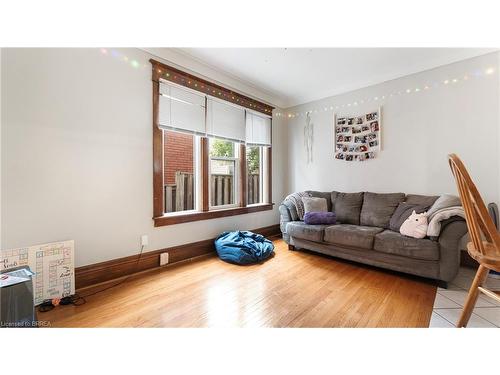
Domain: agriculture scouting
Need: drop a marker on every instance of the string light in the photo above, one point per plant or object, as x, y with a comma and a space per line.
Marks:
429, 86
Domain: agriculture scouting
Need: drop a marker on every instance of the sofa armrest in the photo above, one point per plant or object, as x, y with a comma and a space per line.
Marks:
285, 217
452, 232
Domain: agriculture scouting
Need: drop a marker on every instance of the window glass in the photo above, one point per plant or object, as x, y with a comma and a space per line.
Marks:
223, 172
254, 175
179, 171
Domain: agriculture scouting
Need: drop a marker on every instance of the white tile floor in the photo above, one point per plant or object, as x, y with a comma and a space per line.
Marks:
448, 303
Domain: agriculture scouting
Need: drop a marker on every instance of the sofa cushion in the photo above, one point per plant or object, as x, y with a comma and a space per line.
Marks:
351, 235
395, 243
377, 208
347, 206
306, 232
422, 200
403, 212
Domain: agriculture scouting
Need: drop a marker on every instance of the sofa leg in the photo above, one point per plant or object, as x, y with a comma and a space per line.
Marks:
291, 247
442, 284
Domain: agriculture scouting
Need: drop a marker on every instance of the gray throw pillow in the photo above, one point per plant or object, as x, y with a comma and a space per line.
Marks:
403, 212
312, 204
347, 207
378, 208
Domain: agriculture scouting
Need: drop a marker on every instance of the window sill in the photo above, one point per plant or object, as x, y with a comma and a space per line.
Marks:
197, 216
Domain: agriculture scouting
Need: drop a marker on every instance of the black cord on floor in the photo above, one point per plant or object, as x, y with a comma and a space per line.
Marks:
121, 281
78, 300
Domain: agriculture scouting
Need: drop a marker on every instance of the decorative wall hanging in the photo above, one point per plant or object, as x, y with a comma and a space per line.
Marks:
308, 138
358, 138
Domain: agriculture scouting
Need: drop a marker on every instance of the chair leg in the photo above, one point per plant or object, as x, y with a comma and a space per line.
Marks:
470, 302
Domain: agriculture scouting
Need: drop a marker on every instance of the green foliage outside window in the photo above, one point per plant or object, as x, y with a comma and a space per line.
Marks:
253, 160
221, 149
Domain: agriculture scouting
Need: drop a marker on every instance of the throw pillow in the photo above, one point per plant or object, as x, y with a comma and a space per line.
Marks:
415, 226
312, 204
314, 218
347, 207
320, 194
403, 212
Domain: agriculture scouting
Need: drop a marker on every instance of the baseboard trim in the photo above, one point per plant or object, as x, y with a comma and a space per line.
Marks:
97, 273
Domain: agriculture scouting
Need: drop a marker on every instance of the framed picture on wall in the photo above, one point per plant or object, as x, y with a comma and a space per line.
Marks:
357, 137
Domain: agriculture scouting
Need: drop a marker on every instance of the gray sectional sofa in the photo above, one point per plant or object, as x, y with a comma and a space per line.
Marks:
362, 235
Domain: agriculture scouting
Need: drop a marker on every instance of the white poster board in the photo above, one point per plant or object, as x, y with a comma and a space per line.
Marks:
53, 265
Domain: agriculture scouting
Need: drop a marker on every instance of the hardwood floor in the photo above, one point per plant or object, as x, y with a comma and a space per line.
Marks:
293, 289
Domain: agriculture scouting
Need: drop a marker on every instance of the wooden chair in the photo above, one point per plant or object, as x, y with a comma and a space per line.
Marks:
485, 239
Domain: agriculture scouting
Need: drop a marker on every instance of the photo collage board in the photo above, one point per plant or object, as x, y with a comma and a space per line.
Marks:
357, 138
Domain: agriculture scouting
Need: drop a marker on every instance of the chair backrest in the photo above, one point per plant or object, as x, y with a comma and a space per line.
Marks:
479, 222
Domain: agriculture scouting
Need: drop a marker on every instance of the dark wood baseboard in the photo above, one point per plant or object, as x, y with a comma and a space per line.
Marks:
113, 269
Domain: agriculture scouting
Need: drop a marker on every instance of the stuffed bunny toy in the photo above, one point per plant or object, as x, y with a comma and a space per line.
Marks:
415, 226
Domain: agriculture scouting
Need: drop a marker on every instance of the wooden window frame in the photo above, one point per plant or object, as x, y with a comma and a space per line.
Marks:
165, 72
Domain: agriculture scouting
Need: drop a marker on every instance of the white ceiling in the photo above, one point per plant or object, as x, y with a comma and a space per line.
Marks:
299, 75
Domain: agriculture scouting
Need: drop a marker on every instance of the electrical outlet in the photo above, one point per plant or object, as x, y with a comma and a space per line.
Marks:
144, 240
163, 259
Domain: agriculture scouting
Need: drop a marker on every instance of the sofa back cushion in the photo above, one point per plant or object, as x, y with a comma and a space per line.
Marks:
347, 206
378, 208
421, 200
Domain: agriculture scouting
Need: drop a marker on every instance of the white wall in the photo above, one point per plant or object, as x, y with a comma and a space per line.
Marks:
419, 130
76, 148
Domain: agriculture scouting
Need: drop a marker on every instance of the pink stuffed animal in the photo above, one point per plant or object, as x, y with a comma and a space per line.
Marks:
415, 226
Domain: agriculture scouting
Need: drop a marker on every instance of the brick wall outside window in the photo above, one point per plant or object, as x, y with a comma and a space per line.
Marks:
178, 155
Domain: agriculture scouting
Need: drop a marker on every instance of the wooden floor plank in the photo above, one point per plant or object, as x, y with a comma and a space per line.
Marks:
293, 289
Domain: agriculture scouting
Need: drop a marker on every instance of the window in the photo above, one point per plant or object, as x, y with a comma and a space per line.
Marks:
223, 173
211, 152
180, 169
254, 174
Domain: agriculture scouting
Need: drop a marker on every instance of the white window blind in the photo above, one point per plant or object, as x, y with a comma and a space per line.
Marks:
181, 109
225, 120
258, 129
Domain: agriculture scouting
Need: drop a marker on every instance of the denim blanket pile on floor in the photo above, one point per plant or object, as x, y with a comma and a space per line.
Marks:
243, 247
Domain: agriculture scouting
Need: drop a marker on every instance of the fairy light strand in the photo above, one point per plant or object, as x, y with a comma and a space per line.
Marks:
387, 96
